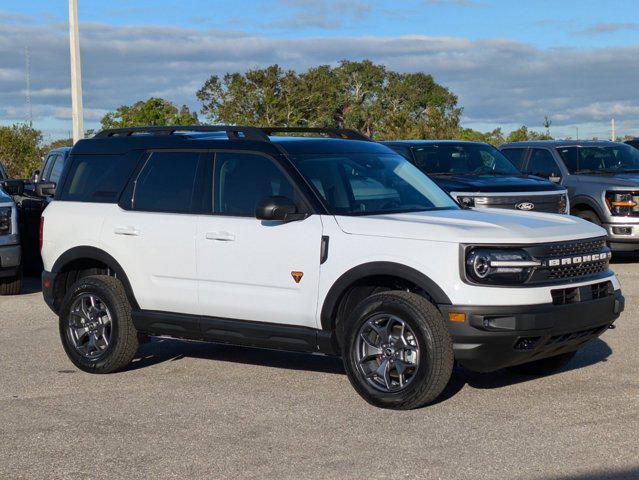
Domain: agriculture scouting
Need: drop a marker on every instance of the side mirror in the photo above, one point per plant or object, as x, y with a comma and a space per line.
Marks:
554, 178
35, 176
278, 208
45, 189
13, 187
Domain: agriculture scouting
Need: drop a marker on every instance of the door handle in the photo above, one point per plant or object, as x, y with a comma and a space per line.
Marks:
220, 236
128, 231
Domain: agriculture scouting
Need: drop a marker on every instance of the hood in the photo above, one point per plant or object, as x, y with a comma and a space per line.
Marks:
4, 197
630, 180
473, 226
494, 183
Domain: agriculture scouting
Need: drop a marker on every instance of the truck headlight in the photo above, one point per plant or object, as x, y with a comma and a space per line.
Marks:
622, 203
564, 204
494, 266
5, 220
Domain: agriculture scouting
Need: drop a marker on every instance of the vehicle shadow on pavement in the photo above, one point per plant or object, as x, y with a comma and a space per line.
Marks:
596, 351
160, 350
31, 285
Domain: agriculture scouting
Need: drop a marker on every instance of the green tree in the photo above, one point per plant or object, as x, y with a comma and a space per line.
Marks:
495, 138
62, 142
20, 149
523, 134
154, 111
360, 95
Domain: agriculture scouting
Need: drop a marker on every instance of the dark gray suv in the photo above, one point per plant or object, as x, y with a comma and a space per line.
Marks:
602, 179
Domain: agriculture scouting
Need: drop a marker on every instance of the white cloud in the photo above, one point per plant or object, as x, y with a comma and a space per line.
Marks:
497, 81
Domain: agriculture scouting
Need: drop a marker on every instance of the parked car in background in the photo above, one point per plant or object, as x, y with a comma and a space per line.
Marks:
10, 250
478, 175
634, 142
602, 179
32, 201
321, 245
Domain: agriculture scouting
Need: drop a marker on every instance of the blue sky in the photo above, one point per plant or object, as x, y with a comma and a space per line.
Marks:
510, 62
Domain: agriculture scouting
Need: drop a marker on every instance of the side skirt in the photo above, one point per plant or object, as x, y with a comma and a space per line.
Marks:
233, 331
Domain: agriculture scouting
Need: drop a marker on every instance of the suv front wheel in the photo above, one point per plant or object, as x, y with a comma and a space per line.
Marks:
397, 350
95, 325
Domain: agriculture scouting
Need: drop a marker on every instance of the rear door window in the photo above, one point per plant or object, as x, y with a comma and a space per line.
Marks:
167, 182
56, 169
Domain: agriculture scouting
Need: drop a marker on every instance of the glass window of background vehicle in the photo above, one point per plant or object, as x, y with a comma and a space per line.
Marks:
601, 159
516, 156
367, 184
97, 178
3, 172
56, 169
462, 158
542, 163
167, 182
242, 180
48, 166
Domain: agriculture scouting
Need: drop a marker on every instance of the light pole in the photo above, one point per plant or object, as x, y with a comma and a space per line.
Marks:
76, 73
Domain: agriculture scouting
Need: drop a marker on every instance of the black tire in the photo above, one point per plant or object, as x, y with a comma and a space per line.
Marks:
435, 345
123, 342
12, 285
589, 215
545, 366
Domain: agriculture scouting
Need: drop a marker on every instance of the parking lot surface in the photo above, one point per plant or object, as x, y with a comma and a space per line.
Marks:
190, 410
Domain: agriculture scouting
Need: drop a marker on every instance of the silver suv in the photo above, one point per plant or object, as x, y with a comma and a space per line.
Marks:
10, 251
602, 179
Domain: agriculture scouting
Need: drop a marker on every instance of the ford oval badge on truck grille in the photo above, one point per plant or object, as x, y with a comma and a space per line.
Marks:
525, 206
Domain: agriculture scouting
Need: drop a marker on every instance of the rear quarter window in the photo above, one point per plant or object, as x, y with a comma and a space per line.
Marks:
98, 178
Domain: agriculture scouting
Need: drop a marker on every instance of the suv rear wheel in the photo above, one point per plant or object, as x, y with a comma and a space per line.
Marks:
397, 350
96, 327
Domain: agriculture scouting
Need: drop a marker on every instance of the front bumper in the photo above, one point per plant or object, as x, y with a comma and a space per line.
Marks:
497, 337
10, 257
622, 236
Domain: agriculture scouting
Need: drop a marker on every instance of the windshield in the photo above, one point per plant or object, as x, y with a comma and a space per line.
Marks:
600, 159
369, 184
463, 159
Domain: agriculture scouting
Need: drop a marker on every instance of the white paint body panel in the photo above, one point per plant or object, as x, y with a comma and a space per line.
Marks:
172, 266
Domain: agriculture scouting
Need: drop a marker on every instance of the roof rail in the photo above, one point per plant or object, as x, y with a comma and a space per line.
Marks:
345, 133
233, 132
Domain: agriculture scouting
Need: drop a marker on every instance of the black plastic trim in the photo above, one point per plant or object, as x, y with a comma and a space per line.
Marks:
92, 253
233, 331
331, 302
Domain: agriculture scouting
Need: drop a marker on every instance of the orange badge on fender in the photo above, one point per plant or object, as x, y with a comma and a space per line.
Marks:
297, 276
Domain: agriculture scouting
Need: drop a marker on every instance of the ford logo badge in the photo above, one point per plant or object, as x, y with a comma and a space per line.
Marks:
525, 206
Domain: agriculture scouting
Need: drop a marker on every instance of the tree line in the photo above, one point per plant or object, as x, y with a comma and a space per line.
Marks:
365, 96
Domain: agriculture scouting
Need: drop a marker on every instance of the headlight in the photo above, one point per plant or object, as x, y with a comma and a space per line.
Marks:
5, 220
622, 203
564, 204
499, 266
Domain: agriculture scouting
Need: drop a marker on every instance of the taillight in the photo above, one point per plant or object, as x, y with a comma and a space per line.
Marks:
41, 232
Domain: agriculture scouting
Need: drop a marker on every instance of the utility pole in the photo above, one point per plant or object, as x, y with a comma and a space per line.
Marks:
577, 128
613, 129
76, 73
27, 75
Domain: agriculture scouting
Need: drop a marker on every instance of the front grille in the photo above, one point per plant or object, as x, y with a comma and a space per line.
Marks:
570, 260
540, 203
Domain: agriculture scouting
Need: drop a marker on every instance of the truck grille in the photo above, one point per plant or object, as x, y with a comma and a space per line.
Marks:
573, 260
550, 203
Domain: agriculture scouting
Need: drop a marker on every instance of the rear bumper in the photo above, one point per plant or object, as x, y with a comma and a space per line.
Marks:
10, 258
48, 281
496, 337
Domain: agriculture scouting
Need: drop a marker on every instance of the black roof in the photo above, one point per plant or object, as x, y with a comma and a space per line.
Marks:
232, 137
430, 142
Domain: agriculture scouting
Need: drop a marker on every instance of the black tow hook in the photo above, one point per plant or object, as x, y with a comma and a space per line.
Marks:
612, 326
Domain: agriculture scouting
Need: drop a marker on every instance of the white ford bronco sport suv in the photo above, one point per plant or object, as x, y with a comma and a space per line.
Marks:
323, 245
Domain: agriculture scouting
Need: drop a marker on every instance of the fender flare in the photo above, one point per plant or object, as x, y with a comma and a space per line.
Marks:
590, 202
334, 295
93, 253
